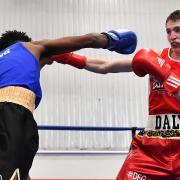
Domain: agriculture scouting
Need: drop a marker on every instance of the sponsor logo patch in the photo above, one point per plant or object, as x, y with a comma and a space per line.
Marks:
136, 176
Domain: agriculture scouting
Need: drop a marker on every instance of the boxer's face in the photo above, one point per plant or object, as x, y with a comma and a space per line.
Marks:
173, 34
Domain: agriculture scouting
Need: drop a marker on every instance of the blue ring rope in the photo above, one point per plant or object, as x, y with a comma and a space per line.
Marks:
87, 128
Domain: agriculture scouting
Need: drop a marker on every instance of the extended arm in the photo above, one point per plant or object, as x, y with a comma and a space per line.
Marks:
50, 47
121, 41
73, 43
108, 66
97, 65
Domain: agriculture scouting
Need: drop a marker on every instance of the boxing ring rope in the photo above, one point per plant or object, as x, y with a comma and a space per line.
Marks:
86, 128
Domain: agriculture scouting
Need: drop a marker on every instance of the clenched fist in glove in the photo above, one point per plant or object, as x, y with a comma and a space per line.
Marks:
146, 61
121, 41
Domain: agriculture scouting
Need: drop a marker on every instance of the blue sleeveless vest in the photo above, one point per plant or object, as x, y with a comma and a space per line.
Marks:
19, 67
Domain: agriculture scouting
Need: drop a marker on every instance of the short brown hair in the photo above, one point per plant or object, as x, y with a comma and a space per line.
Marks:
174, 16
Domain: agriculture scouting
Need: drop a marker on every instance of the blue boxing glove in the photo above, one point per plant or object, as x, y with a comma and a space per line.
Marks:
121, 41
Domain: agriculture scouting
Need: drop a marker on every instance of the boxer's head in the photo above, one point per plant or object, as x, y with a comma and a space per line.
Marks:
10, 37
173, 30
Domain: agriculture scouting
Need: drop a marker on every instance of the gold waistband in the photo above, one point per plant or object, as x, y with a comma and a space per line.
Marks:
18, 95
161, 133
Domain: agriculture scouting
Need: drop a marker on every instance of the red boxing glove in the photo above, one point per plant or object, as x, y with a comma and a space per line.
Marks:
73, 59
146, 61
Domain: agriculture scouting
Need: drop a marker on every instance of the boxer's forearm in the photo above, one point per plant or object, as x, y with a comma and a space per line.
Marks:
104, 66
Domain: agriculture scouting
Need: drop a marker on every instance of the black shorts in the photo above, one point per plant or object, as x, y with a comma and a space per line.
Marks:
19, 140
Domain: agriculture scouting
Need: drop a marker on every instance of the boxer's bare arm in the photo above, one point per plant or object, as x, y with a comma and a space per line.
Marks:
49, 47
97, 65
104, 66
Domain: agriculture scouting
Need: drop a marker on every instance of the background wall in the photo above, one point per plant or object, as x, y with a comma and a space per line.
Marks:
77, 97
